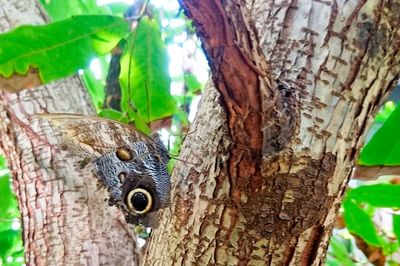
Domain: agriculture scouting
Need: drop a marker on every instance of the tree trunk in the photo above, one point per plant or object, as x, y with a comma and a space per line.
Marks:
273, 147
65, 218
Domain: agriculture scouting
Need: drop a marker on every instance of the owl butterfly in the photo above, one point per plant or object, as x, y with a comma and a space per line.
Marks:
129, 164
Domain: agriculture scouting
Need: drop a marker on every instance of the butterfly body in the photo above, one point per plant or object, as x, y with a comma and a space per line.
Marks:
130, 165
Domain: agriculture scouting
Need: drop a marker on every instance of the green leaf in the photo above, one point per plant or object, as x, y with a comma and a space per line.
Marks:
95, 85
391, 262
379, 195
384, 147
95, 88
123, 118
330, 261
390, 247
10, 242
59, 49
385, 111
140, 123
339, 252
181, 118
396, 226
114, 115
193, 85
359, 223
183, 99
171, 165
144, 74
3, 163
61, 9
7, 201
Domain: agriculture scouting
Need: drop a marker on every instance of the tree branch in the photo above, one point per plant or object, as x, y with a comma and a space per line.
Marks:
240, 71
260, 112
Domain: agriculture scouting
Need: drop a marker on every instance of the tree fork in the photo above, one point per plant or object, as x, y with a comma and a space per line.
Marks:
237, 62
261, 113
272, 164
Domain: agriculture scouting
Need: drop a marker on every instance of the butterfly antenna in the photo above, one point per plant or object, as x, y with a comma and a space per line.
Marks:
181, 160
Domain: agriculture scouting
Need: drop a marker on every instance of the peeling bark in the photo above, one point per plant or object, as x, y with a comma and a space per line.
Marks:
66, 220
274, 149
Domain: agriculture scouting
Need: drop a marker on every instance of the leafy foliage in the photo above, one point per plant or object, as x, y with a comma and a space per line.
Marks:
379, 195
70, 43
59, 10
114, 115
360, 223
95, 86
62, 9
360, 213
144, 74
384, 113
339, 254
146, 97
396, 226
11, 248
384, 147
364, 204
193, 85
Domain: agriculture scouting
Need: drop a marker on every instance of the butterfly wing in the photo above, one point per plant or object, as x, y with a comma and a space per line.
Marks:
124, 160
90, 136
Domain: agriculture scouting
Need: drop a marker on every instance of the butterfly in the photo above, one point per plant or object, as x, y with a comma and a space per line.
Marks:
129, 164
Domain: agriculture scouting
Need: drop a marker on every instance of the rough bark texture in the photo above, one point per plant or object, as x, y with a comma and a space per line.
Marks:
65, 218
268, 193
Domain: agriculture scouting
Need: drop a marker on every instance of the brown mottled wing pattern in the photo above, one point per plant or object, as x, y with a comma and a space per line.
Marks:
131, 165
91, 136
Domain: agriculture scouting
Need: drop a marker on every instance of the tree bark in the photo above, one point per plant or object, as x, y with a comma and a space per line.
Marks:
66, 220
273, 147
